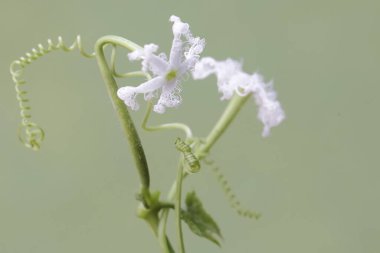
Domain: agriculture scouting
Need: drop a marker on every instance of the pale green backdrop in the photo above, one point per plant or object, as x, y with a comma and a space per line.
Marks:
315, 179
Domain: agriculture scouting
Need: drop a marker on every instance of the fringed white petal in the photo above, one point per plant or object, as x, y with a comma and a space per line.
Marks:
226, 69
128, 95
203, 68
139, 54
187, 66
136, 55
191, 55
271, 115
176, 52
157, 65
231, 79
179, 27
270, 111
169, 98
196, 47
241, 82
225, 72
151, 85
150, 61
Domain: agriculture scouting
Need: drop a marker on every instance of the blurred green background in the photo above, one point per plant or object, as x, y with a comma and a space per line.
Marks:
315, 180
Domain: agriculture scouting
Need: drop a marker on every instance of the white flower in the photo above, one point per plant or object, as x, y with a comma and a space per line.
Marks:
167, 74
231, 79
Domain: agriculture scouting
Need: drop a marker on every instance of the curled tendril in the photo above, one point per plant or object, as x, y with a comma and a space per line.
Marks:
30, 134
231, 197
191, 160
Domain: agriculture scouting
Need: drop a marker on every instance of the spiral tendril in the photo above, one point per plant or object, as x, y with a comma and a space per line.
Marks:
30, 134
191, 160
231, 197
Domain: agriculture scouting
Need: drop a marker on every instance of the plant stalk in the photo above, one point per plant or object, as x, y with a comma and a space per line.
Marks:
220, 127
122, 111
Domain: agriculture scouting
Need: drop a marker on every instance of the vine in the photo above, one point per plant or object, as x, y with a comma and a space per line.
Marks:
167, 74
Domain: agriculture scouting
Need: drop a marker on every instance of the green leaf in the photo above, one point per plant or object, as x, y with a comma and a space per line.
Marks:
199, 221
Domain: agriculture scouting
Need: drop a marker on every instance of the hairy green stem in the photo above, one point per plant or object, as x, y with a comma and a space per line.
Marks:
119, 106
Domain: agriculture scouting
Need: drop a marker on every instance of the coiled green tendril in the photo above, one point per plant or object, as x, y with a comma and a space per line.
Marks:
231, 197
193, 164
31, 134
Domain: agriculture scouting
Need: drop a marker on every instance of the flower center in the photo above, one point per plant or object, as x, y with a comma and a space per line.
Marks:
171, 75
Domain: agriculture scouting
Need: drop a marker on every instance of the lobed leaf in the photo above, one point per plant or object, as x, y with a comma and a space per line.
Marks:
199, 221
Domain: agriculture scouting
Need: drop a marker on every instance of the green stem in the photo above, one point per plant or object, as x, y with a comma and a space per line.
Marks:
220, 127
153, 221
178, 207
179, 126
151, 217
127, 123
164, 220
164, 242
165, 213
119, 106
